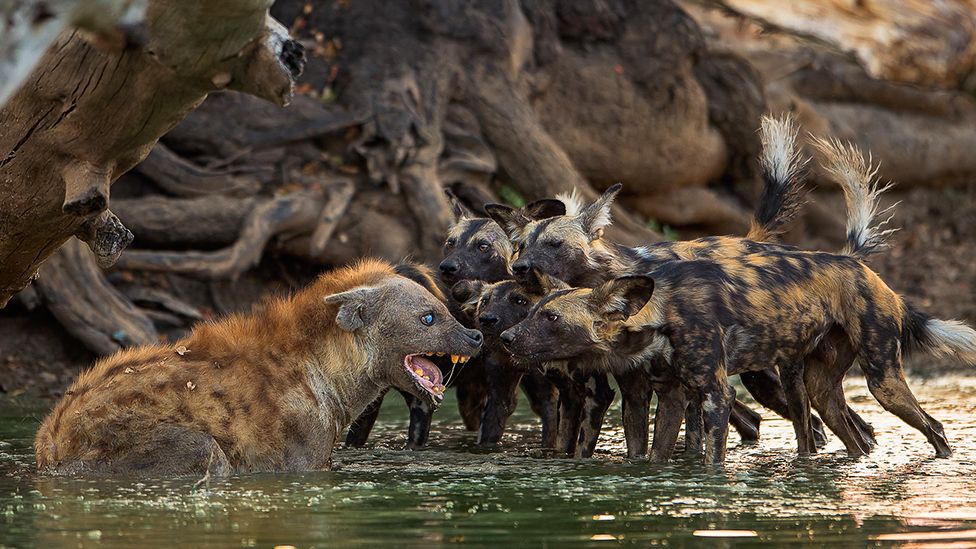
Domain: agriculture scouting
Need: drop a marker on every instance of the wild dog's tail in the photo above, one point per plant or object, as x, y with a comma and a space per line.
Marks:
941, 337
572, 200
862, 189
783, 170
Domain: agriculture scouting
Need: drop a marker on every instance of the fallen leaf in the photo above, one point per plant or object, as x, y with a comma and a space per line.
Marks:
182, 350
129, 370
190, 385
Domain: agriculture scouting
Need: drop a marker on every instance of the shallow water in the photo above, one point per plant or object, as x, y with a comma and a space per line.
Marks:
455, 492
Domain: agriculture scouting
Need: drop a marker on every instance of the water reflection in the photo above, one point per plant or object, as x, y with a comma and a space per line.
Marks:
456, 492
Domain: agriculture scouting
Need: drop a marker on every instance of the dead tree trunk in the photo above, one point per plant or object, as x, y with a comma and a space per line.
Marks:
94, 108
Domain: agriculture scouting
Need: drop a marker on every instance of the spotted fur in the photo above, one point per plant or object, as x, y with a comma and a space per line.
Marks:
265, 391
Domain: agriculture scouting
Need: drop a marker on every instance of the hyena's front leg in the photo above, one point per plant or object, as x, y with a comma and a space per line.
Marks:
635, 397
599, 397
363, 425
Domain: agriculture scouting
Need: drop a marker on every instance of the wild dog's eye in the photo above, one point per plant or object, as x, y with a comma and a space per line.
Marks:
552, 317
427, 319
555, 243
451, 242
483, 247
519, 300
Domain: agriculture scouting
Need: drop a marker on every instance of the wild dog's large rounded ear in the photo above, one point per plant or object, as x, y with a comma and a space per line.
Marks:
421, 274
540, 283
509, 218
621, 298
596, 216
351, 304
466, 290
457, 207
545, 208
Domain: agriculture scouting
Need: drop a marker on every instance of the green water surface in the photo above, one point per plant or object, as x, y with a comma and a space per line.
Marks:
454, 492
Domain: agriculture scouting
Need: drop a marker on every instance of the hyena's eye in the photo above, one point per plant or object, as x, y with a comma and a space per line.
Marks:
552, 317
555, 243
427, 319
483, 247
451, 242
519, 300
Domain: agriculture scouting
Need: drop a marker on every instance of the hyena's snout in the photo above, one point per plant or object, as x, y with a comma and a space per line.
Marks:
471, 338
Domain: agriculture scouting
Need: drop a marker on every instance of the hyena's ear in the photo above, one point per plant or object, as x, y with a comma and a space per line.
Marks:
545, 208
596, 216
457, 207
540, 283
621, 298
466, 290
511, 219
351, 304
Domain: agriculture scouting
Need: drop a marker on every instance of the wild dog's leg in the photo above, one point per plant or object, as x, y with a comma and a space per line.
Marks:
471, 395
635, 395
746, 421
671, 406
824, 376
599, 397
421, 415
544, 400
694, 426
571, 396
881, 363
767, 388
717, 400
799, 405
360, 429
502, 386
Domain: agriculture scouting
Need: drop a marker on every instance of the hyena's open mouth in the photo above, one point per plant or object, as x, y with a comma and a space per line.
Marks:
426, 375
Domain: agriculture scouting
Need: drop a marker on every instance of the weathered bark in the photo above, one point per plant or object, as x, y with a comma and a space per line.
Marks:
88, 114
910, 41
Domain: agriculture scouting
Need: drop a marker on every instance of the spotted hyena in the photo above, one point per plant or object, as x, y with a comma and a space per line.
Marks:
266, 391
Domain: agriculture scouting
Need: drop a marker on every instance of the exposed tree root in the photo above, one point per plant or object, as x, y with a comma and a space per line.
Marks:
75, 291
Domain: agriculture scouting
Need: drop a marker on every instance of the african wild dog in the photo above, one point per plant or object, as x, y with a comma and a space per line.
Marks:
718, 317
571, 248
504, 304
477, 249
267, 391
477, 244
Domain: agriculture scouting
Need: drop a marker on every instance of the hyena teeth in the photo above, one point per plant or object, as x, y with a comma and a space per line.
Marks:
464, 359
454, 359
440, 354
419, 372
